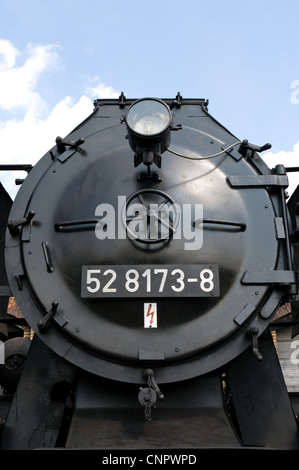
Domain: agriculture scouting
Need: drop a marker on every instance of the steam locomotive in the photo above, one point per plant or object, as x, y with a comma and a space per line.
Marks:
148, 252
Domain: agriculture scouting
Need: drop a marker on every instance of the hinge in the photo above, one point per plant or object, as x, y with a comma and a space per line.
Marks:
256, 181
269, 277
279, 228
65, 152
14, 225
60, 319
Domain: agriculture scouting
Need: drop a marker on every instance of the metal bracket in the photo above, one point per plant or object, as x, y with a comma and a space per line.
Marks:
13, 225
244, 314
258, 181
279, 228
149, 175
122, 100
177, 102
268, 277
62, 145
43, 324
252, 333
246, 146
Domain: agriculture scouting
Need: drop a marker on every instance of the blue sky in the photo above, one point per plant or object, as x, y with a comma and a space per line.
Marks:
57, 57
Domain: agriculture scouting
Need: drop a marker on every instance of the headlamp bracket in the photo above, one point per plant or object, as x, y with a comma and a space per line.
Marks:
148, 143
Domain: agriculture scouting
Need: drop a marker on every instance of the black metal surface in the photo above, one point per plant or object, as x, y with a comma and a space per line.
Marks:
260, 399
5, 206
191, 417
86, 223
293, 206
102, 172
36, 416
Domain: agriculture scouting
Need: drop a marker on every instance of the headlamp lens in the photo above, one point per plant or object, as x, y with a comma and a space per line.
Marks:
148, 117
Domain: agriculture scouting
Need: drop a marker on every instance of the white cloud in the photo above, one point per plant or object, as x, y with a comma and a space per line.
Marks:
26, 138
288, 159
8, 53
18, 83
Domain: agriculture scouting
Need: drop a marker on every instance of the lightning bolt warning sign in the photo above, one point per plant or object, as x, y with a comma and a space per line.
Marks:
150, 315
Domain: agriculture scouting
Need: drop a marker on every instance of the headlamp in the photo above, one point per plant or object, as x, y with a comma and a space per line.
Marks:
148, 123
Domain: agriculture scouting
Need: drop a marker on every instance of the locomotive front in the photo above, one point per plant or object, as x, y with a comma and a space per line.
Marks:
151, 247
150, 237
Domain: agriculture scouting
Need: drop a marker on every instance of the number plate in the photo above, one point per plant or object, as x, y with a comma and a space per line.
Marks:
190, 280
